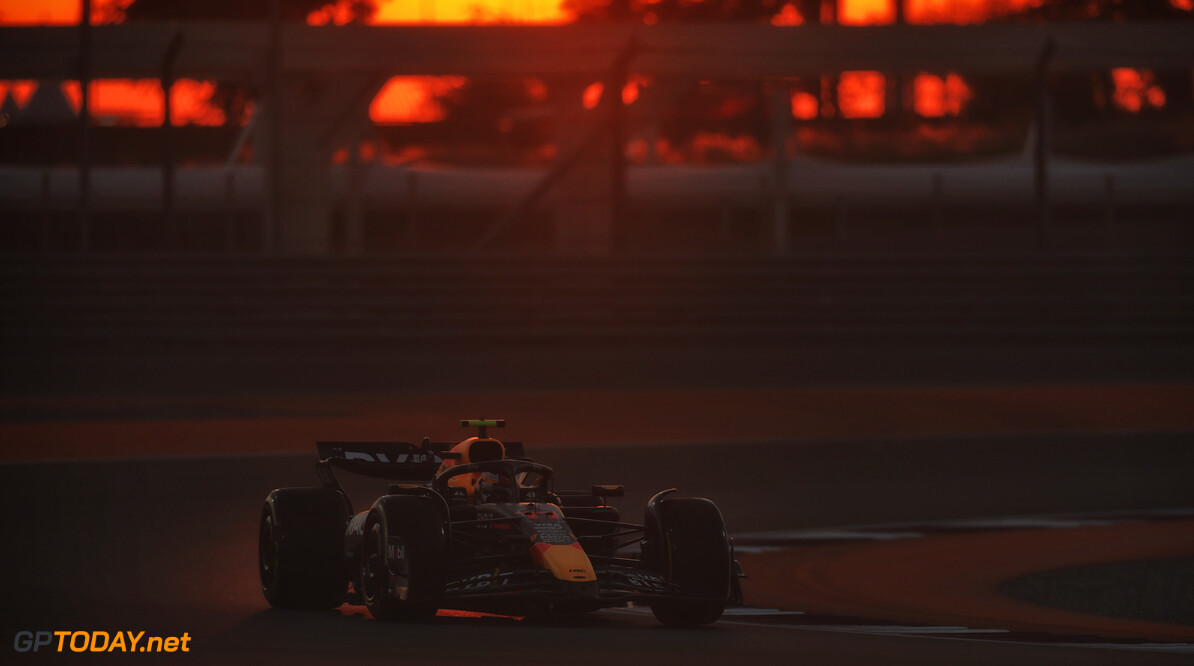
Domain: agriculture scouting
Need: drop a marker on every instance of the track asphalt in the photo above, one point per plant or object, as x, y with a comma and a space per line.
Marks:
167, 545
137, 510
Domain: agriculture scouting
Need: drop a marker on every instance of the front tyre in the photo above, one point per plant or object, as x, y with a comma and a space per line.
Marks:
300, 543
687, 544
405, 546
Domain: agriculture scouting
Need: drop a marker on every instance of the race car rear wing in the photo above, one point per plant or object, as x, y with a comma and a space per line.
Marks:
394, 461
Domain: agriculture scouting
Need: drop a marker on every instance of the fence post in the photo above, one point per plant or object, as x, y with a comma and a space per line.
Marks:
1109, 206
412, 209
843, 219
169, 226
1041, 148
938, 203
230, 208
230, 181
84, 71
46, 218
353, 226
619, 74
781, 114
272, 223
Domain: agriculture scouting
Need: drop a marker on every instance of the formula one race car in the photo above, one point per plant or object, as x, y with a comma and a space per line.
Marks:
477, 526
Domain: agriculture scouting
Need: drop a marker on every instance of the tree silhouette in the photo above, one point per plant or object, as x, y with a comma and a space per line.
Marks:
238, 10
708, 11
1082, 97
234, 99
1058, 11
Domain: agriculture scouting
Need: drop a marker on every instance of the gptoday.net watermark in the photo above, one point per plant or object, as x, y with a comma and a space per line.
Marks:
98, 641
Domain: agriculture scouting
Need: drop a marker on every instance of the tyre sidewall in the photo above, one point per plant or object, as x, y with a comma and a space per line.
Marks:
304, 528
409, 535
689, 546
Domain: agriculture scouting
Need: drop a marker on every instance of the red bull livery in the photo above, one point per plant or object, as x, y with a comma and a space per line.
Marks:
478, 526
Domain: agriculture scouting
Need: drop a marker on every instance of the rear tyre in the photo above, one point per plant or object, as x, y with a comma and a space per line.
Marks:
400, 568
687, 544
300, 548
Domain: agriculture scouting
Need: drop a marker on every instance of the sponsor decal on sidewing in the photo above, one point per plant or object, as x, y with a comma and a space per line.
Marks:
416, 458
479, 581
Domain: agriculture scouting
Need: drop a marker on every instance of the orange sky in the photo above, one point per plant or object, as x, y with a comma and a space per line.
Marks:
45, 12
39, 12
413, 98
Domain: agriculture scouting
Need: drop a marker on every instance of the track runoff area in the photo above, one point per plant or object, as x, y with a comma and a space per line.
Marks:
947, 579
167, 545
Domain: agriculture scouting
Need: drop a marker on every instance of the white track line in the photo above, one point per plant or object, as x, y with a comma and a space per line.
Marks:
1180, 648
735, 611
759, 612
1028, 523
828, 535
894, 531
886, 532
896, 629
963, 634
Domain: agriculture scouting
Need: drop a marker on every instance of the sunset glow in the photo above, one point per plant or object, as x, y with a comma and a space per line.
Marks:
414, 99
139, 102
591, 96
1136, 89
132, 102
20, 91
633, 88
788, 15
936, 96
861, 94
469, 11
963, 11
805, 105
866, 12
40, 12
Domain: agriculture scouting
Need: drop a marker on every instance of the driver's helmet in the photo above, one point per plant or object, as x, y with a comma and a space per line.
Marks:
493, 487
473, 450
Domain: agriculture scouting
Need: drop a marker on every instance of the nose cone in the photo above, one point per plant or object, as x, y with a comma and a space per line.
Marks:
566, 563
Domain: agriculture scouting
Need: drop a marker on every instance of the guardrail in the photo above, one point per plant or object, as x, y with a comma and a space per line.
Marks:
157, 300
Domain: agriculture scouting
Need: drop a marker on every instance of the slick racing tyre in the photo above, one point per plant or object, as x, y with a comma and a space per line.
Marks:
400, 568
687, 544
300, 548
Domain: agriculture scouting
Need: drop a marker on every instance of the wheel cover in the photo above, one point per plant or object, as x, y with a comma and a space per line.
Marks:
374, 574
267, 555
